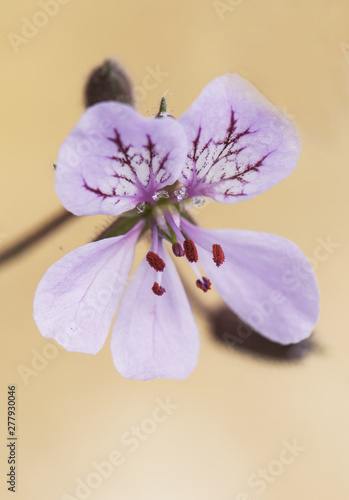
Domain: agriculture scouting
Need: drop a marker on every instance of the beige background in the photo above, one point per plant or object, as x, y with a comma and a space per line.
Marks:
236, 410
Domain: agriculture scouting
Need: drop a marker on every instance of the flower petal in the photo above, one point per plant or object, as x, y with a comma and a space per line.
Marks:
155, 336
265, 279
77, 297
114, 159
240, 144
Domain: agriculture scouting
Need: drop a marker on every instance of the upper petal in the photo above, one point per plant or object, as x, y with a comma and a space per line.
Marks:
265, 279
240, 144
155, 336
77, 297
114, 159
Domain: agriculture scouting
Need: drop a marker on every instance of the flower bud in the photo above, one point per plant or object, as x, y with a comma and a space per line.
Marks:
108, 82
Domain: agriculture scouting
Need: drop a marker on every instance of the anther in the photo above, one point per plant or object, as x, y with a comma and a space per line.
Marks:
204, 284
155, 261
190, 250
158, 289
218, 255
177, 249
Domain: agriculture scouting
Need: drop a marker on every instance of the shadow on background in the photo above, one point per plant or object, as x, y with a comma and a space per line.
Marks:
229, 330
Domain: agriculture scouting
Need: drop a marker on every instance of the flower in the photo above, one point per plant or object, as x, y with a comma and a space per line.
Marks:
230, 145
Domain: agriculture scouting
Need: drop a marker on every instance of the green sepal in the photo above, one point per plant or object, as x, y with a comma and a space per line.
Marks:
121, 226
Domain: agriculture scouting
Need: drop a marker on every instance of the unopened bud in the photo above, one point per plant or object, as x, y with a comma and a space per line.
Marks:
163, 109
108, 82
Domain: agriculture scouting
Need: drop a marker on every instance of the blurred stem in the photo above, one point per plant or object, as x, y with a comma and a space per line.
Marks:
35, 236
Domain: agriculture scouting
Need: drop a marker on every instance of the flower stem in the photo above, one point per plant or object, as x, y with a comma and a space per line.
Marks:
34, 237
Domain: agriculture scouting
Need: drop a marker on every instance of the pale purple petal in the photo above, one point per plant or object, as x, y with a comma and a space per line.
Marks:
155, 336
240, 144
114, 159
265, 279
77, 297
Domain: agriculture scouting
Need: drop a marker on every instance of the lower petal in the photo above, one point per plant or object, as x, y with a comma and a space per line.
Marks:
266, 280
155, 336
77, 297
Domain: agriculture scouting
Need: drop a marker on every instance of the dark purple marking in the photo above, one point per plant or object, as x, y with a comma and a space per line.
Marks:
156, 165
100, 193
225, 149
123, 157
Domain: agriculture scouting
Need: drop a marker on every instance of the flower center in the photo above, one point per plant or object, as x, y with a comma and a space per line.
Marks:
165, 227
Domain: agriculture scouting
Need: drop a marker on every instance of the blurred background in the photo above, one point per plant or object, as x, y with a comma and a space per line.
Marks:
257, 422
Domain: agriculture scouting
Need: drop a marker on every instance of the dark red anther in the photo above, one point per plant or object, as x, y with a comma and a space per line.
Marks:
155, 261
218, 255
158, 289
204, 284
190, 250
177, 249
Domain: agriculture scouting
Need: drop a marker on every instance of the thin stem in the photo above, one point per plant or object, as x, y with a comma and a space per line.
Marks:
155, 245
37, 235
174, 227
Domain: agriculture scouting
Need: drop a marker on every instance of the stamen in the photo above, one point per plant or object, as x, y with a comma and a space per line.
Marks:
218, 255
155, 261
204, 284
171, 222
190, 250
158, 289
177, 249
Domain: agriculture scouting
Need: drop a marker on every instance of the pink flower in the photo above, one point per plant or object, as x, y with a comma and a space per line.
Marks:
231, 145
